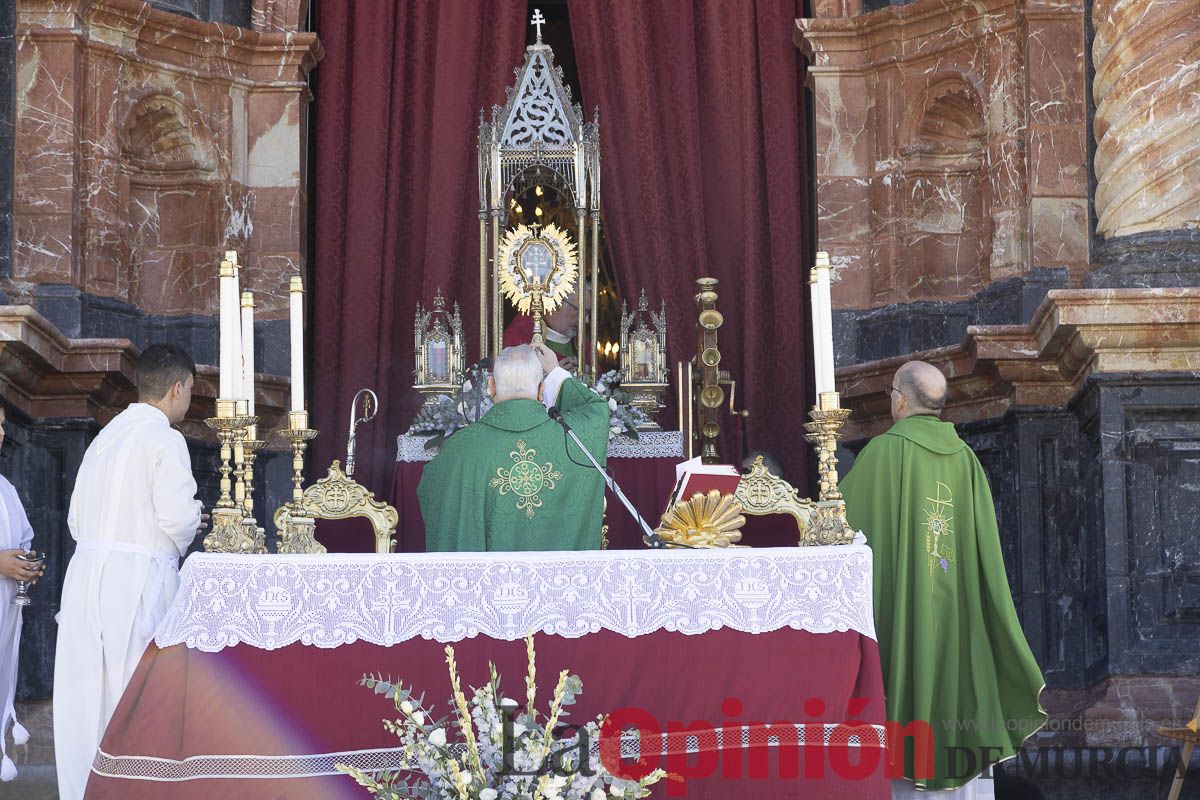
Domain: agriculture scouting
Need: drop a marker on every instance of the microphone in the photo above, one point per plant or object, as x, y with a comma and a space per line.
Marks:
651, 538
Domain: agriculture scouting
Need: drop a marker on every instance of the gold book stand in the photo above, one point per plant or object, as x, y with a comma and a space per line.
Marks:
761, 493
337, 497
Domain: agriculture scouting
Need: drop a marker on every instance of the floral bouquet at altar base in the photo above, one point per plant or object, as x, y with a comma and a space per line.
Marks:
624, 418
504, 752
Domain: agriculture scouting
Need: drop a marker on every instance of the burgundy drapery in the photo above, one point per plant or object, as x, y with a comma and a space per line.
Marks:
703, 137
396, 200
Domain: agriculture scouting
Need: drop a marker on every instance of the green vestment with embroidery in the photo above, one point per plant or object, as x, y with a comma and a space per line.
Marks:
510, 481
951, 646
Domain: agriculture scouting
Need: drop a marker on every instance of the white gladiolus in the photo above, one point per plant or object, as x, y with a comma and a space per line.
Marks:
597, 794
438, 738
419, 718
488, 794
406, 707
612, 403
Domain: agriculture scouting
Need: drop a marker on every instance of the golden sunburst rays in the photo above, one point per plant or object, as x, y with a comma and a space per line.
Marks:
532, 256
706, 520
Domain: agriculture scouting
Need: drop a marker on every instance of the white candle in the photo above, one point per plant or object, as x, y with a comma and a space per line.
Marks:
248, 349
230, 334
823, 284
817, 327
297, 328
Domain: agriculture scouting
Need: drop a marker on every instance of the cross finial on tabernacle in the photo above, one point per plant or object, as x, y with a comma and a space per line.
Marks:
538, 21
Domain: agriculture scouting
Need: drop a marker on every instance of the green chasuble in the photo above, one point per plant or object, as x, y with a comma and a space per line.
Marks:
564, 349
951, 647
508, 482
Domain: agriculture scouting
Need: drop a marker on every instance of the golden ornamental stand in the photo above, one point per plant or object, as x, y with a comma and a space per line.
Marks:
830, 526
250, 445
228, 533
297, 533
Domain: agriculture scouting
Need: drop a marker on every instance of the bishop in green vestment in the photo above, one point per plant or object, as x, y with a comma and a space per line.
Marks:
951, 646
512, 481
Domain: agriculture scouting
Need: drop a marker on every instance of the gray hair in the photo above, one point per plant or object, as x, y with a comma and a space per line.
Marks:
517, 372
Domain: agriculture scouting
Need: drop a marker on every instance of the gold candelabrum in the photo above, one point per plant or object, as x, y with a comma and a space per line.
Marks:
829, 517
297, 533
230, 532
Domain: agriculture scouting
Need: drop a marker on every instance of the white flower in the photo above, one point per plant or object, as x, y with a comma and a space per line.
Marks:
488, 794
612, 403
419, 718
406, 707
508, 702
438, 738
464, 777
597, 794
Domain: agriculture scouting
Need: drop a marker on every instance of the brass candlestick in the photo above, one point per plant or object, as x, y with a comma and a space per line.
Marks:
824, 431
228, 533
250, 445
297, 533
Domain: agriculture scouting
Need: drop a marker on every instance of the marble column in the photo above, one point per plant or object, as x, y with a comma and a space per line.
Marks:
1147, 129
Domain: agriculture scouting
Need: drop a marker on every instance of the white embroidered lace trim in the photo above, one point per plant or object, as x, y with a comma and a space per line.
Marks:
650, 444
334, 599
152, 768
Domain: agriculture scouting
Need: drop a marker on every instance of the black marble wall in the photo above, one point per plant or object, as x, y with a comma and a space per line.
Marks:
903, 328
230, 12
81, 315
8, 86
1097, 505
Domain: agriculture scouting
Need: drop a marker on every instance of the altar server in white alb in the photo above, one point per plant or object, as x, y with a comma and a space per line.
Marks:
16, 535
133, 513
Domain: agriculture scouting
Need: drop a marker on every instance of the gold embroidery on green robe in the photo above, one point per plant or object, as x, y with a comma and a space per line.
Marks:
526, 478
939, 529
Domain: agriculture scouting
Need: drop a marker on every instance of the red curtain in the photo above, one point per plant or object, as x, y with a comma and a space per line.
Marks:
397, 104
703, 136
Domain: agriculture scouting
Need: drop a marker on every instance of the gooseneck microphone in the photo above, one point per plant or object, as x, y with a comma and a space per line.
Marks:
651, 538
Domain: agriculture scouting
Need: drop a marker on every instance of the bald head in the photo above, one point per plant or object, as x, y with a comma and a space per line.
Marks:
921, 388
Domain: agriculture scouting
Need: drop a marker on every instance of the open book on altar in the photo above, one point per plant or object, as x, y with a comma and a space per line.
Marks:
695, 477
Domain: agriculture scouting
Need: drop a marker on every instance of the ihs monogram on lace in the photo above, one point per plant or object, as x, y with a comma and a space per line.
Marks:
526, 478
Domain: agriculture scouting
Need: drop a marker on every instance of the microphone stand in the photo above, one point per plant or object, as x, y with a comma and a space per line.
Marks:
651, 538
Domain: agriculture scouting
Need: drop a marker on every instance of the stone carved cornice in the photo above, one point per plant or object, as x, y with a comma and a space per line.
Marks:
1074, 334
214, 50
45, 374
923, 28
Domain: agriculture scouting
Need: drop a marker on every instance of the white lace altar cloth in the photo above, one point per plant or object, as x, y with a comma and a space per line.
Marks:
334, 599
650, 444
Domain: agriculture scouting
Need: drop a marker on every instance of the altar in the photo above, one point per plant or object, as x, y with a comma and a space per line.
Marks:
750, 673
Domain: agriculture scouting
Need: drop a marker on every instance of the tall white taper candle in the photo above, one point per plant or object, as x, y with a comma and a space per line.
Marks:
824, 286
230, 352
248, 350
817, 327
296, 287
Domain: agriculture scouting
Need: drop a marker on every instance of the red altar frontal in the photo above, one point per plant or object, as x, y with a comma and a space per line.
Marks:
250, 689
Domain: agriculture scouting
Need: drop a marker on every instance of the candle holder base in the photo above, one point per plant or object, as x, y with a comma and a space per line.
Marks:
298, 535
829, 512
229, 533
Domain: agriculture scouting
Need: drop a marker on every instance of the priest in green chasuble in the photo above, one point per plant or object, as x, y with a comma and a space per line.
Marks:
950, 643
512, 480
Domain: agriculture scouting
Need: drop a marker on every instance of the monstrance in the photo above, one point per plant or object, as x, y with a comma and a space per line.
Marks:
538, 268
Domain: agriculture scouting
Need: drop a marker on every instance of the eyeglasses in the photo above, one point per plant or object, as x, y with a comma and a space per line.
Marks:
891, 391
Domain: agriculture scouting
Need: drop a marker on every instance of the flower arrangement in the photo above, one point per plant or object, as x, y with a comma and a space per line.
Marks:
452, 413
506, 752
624, 418
449, 414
